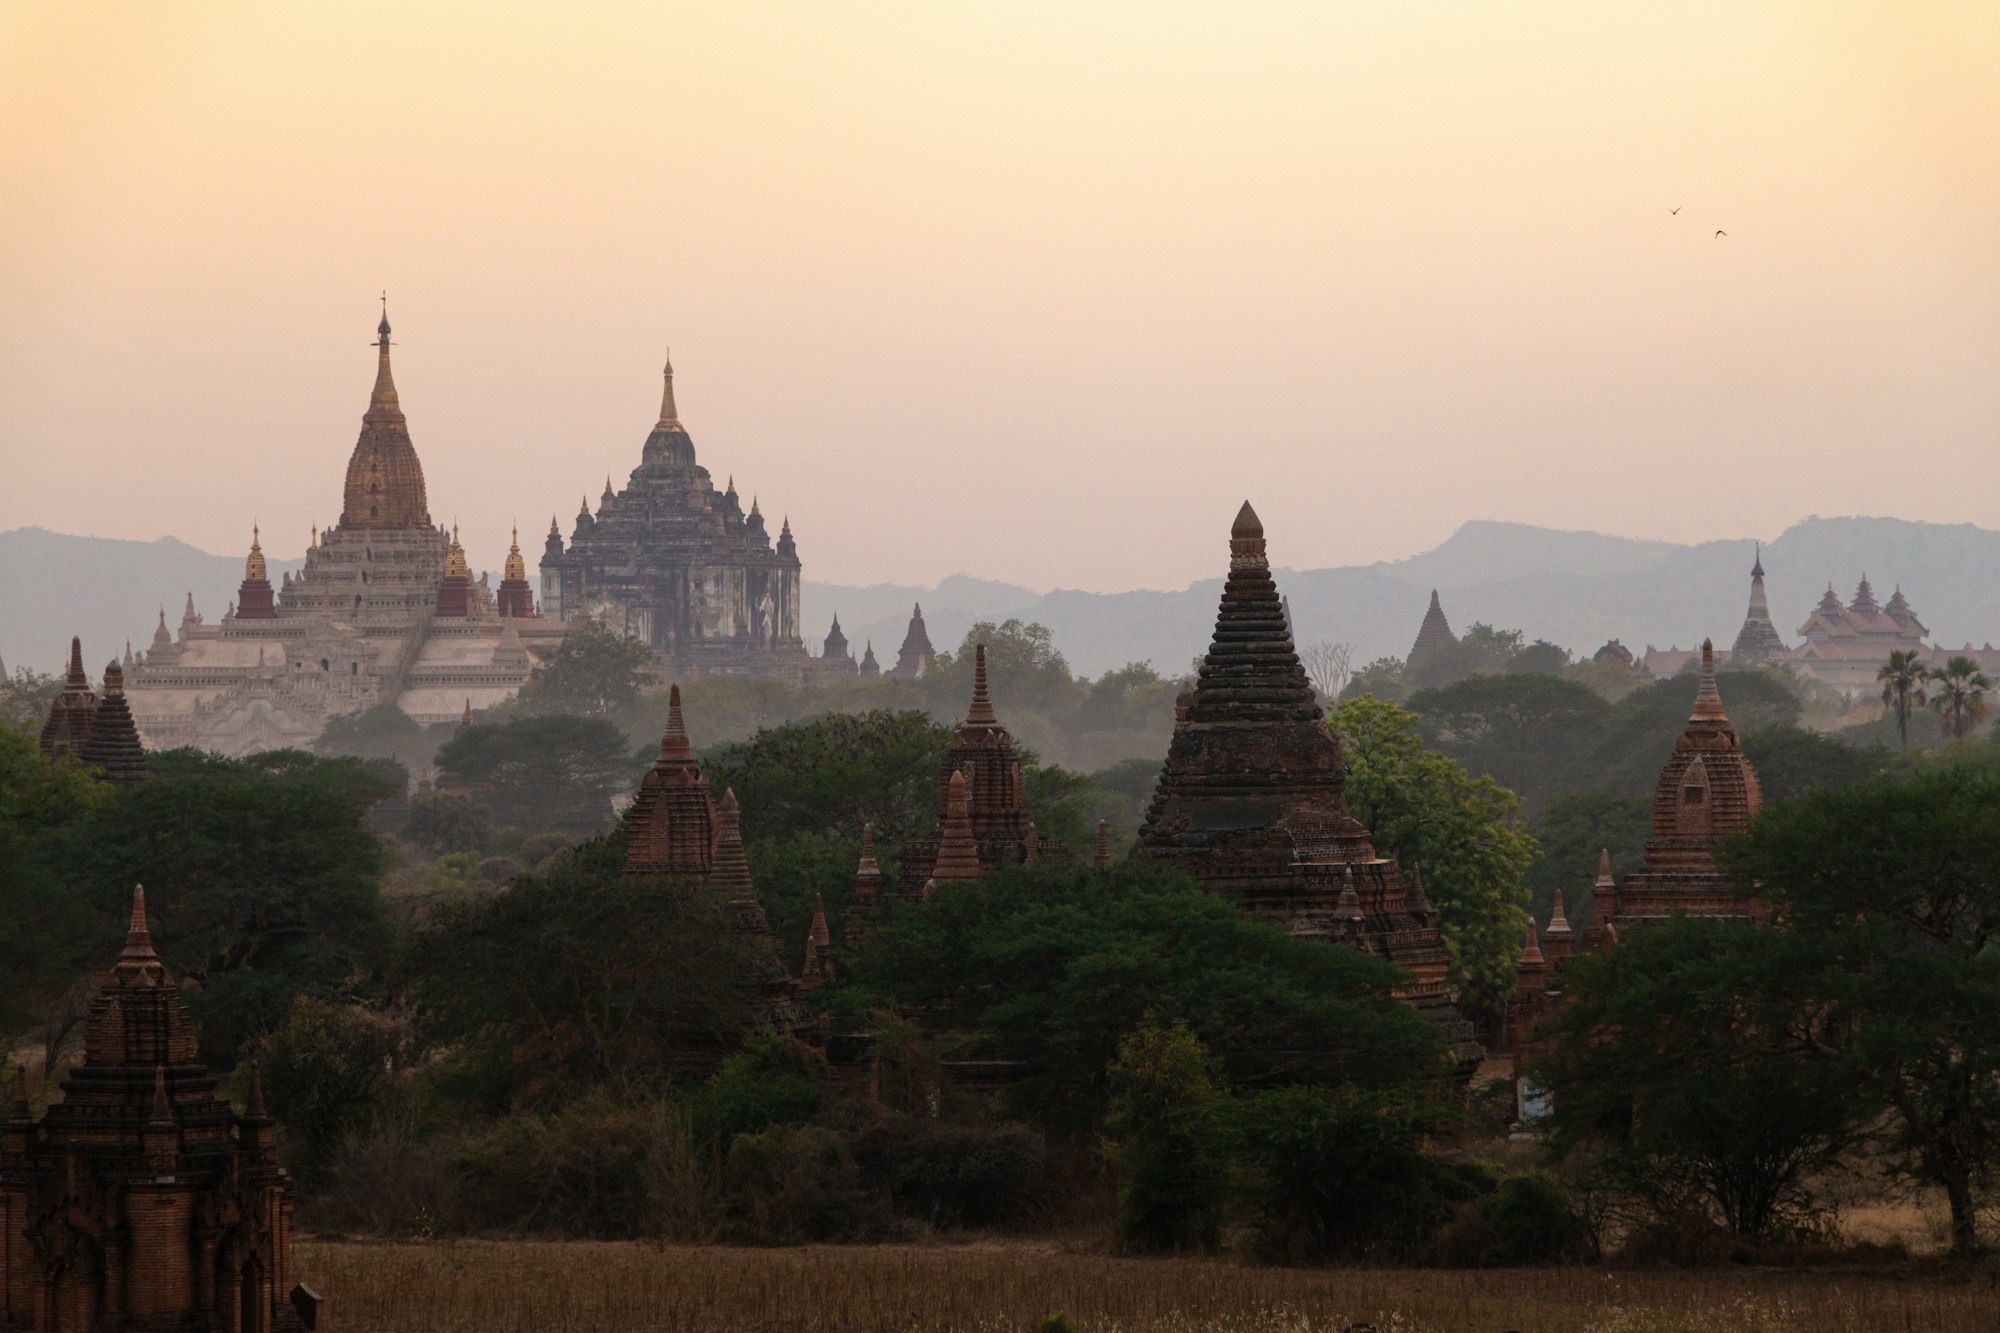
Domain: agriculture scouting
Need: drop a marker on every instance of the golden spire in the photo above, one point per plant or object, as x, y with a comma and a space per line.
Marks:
516, 567
670, 417
454, 560
253, 568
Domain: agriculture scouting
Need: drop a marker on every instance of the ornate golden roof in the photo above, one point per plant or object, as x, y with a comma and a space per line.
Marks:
517, 568
253, 568
454, 559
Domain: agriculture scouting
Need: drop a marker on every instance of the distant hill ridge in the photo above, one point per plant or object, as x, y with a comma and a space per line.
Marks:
1577, 589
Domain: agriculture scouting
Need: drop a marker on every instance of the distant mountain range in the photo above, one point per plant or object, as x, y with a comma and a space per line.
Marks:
1577, 589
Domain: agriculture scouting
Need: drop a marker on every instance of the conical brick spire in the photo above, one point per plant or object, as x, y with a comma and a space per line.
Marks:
1708, 699
1418, 903
1434, 632
958, 856
1531, 950
731, 874
820, 934
1558, 922
1102, 859
73, 712
980, 714
674, 743
114, 744
138, 935
75, 679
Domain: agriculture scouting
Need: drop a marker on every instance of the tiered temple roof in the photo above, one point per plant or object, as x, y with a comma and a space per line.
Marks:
141, 1199
675, 563
1251, 800
981, 756
385, 482
515, 598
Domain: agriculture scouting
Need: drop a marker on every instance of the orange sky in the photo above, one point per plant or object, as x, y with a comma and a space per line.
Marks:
1031, 291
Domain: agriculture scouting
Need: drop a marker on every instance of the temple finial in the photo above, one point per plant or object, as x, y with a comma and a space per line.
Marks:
674, 744
981, 713
1708, 699
1246, 541
670, 415
138, 938
383, 399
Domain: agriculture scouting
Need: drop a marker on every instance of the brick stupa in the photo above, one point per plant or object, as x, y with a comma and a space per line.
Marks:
671, 827
1707, 792
141, 1200
1434, 633
114, 744
73, 712
1252, 799
982, 753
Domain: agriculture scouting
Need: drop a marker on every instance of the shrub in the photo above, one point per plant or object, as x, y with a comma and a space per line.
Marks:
788, 1185
774, 1081
1527, 1219
954, 1175
1166, 1142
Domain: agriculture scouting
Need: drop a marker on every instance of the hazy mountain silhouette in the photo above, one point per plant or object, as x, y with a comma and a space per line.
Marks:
1574, 588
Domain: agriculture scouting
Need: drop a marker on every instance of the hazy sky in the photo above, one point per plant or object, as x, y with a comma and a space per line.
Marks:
1032, 291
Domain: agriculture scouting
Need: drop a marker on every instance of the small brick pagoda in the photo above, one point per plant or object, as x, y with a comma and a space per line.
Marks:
1252, 799
981, 756
73, 712
1707, 792
1434, 633
142, 1200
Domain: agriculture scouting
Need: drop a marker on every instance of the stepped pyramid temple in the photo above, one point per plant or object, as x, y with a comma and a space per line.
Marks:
384, 611
914, 657
1251, 801
679, 565
1434, 633
982, 822
141, 1200
1758, 642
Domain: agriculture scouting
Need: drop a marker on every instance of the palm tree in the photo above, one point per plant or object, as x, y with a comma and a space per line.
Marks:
1903, 677
1960, 697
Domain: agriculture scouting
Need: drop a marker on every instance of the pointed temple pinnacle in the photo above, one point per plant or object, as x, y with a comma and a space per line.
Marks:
76, 680
1757, 565
821, 935
1102, 860
1708, 699
670, 416
1558, 922
1246, 541
674, 744
1604, 879
1531, 949
383, 399
981, 713
138, 939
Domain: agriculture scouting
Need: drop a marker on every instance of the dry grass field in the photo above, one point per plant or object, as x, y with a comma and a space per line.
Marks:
514, 1287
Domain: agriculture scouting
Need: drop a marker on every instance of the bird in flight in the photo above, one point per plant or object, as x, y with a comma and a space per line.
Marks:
1676, 211
1720, 232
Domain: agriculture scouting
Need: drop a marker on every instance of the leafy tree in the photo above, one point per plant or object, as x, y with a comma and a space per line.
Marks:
261, 875
384, 731
1958, 696
49, 936
541, 771
1119, 796
1053, 964
1165, 1137
593, 672
585, 975
1479, 650
1572, 831
1380, 679
1627, 749
25, 697
1023, 668
1791, 762
1903, 678
1424, 808
1342, 1172
1526, 732
442, 823
1685, 1057
326, 1071
1539, 658
834, 773
1895, 884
